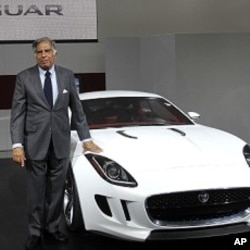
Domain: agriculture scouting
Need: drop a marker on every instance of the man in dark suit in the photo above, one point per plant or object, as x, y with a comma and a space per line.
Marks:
40, 132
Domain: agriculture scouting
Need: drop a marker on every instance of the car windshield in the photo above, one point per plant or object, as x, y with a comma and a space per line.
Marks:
132, 111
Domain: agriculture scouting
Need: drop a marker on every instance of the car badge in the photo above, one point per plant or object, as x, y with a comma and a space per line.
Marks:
203, 197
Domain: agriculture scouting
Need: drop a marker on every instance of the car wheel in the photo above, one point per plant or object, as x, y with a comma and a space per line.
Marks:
71, 207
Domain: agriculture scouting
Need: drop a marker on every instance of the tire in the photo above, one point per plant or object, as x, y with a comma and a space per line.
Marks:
71, 207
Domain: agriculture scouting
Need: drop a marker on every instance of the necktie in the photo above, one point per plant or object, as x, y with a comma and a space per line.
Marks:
48, 89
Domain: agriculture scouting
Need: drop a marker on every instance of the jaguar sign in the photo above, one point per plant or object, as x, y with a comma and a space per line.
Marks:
26, 20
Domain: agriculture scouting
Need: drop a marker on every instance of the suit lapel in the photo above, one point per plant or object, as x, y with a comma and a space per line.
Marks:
60, 84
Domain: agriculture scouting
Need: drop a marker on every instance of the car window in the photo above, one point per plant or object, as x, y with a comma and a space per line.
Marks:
132, 111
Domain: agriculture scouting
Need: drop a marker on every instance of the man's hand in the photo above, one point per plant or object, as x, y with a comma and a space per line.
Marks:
19, 156
91, 146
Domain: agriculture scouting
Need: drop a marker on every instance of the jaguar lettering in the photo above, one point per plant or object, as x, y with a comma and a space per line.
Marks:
19, 10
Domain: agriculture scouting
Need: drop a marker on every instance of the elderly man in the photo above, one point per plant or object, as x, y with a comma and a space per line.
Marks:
40, 131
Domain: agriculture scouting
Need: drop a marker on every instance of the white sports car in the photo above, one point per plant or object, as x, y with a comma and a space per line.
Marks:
160, 176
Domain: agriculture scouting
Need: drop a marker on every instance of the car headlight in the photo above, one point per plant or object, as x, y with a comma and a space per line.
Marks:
111, 171
246, 152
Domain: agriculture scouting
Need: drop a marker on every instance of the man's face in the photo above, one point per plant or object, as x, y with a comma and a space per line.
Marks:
45, 55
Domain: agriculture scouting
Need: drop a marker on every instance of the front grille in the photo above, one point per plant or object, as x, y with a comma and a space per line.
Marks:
198, 206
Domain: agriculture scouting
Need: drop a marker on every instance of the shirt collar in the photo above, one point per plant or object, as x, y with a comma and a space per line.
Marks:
42, 71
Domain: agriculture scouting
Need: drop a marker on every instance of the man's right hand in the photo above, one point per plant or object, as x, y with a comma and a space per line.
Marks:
19, 156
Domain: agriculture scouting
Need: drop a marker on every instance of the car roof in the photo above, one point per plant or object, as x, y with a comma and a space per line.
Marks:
115, 93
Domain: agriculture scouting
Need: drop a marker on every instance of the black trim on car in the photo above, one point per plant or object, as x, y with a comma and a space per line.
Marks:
199, 233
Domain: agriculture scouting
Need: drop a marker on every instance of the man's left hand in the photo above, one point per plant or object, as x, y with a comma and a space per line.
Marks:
91, 146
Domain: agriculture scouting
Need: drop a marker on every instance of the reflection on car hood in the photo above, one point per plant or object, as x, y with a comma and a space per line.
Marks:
141, 149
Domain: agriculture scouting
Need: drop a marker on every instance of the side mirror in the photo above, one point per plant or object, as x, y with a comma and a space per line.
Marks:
194, 116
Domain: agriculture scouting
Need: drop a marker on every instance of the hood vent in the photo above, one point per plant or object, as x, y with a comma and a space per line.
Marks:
122, 132
178, 131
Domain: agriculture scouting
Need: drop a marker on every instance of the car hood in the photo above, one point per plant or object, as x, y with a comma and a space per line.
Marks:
187, 151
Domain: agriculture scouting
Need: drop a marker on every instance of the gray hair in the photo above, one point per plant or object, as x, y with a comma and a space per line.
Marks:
44, 39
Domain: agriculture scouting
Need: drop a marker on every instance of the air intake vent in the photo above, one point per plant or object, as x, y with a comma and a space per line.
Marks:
103, 204
125, 210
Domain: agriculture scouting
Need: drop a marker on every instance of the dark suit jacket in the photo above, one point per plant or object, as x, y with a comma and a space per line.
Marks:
33, 123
